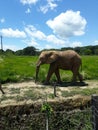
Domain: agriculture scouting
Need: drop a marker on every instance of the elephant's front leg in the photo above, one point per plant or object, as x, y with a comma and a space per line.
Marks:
50, 72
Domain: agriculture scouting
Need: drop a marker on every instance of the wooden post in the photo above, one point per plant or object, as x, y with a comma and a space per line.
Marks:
55, 90
1, 43
47, 121
94, 102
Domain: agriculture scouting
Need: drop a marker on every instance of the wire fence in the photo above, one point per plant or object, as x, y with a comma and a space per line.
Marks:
74, 120
94, 112
20, 119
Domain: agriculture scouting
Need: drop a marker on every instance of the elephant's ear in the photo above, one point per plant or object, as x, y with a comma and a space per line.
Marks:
52, 57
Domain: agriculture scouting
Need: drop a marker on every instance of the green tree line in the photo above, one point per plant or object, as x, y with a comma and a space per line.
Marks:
86, 50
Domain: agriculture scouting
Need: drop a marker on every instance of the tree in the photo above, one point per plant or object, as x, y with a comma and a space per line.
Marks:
1, 51
96, 51
87, 52
29, 51
10, 52
18, 52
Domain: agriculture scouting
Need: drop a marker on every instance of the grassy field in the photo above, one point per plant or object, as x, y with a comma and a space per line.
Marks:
18, 68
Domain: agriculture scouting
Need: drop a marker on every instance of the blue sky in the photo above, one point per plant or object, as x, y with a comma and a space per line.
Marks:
48, 23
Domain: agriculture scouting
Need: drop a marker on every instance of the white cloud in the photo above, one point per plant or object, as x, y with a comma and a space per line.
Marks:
33, 36
75, 44
48, 46
12, 47
40, 35
44, 9
96, 42
55, 40
9, 32
51, 5
2, 20
31, 42
68, 24
28, 11
37, 37
34, 33
29, 2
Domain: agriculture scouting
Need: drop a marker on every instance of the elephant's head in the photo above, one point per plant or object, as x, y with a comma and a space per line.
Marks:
46, 57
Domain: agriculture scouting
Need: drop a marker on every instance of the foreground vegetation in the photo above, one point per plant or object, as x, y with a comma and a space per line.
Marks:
17, 68
24, 118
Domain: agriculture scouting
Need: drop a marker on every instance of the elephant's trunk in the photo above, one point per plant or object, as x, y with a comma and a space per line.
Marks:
37, 71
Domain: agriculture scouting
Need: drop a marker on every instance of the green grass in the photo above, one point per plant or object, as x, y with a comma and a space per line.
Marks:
18, 68
78, 91
90, 67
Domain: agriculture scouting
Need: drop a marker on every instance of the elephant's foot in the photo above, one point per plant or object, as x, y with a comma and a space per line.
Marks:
56, 83
82, 83
46, 83
59, 82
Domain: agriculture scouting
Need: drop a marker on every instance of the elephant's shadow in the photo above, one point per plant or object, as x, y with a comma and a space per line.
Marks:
69, 84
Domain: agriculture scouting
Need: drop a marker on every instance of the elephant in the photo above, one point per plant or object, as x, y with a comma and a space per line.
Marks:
66, 60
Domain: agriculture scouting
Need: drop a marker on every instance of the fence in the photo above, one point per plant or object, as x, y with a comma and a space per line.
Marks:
94, 112
25, 119
75, 120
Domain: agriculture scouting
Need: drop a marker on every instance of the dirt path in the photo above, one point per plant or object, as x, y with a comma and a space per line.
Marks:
28, 92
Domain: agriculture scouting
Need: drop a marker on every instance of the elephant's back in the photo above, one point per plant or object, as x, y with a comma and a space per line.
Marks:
68, 59
69, 54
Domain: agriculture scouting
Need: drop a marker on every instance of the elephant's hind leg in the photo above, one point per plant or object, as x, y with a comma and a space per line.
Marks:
75, 74
57, 73
80, 77
74, 78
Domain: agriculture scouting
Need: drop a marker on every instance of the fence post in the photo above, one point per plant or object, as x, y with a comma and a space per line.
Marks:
47, 121
94, 102
55, 90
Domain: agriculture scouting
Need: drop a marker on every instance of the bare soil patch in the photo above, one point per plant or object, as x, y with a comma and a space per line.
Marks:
30, 92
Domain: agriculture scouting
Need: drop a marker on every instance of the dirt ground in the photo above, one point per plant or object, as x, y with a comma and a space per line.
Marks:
28, 92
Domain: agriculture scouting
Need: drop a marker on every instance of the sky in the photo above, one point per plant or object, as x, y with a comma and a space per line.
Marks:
47, 24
